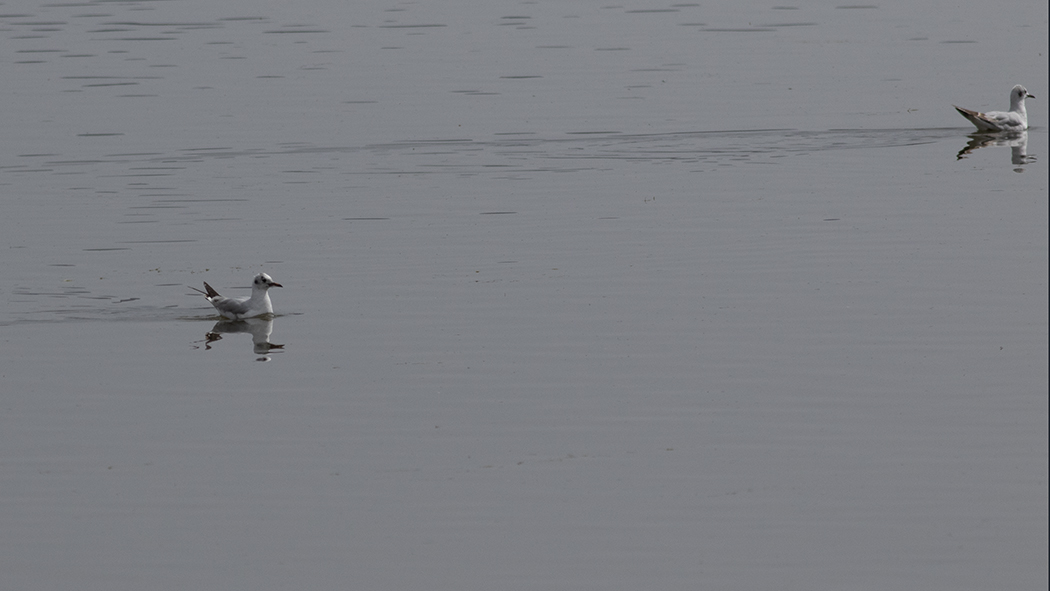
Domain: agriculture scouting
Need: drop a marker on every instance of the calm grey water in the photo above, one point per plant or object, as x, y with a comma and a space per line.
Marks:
577, 296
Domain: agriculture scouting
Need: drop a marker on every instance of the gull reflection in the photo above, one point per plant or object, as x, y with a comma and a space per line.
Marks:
259, 328
1016, 140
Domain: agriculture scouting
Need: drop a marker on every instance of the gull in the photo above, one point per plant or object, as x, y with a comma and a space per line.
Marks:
1016, 119
240, 308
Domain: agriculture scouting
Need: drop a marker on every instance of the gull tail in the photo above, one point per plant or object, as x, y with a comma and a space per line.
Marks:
978, 119
208, 294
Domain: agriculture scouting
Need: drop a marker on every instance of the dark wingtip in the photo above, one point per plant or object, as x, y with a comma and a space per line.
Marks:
211, 290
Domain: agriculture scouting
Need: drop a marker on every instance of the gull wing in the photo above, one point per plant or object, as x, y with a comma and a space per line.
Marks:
993, 120
981, 120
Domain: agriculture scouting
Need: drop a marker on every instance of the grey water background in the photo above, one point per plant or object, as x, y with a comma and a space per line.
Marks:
577, 295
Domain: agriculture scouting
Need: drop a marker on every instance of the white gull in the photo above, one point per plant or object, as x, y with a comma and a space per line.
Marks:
239, 308
1016, 119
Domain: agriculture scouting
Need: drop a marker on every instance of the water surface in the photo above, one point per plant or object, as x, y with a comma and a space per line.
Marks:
576, 296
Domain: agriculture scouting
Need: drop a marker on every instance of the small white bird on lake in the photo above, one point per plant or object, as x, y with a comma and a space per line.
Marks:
1016, 119
240, 308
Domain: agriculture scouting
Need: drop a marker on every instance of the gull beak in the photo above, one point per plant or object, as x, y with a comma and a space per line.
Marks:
274, 284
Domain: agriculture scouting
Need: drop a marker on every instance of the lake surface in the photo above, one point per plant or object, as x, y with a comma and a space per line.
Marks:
576, 296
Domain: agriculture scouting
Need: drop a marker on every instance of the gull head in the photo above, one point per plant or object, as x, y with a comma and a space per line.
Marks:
263, 281
1017, 97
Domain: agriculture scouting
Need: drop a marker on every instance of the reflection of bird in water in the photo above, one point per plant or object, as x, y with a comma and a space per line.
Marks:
1018, 143
1016, 119
258, 304
259, 328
